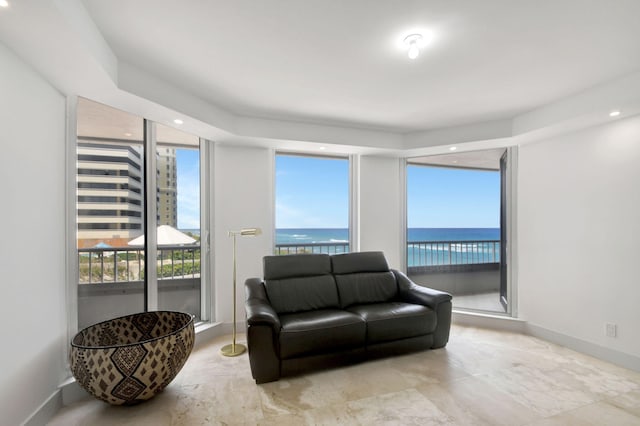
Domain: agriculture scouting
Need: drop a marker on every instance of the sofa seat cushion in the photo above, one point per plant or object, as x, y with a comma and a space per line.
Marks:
395, 320
323, 330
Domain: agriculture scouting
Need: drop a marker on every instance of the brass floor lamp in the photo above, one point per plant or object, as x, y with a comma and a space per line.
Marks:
235, 349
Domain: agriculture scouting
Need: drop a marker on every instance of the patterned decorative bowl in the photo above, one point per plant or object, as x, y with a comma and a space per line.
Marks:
130, 359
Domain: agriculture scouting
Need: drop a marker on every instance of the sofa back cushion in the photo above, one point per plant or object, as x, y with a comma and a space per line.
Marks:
364, 261
363, 278
300, 282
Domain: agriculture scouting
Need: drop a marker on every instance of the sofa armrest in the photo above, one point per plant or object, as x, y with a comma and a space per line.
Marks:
414, 293
437, 300
260, 313
259, 310
263, 333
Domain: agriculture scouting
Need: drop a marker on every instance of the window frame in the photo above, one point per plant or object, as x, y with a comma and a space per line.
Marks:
353, 196
149, 162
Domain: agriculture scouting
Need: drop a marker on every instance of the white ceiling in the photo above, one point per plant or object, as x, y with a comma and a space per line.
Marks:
98, 120
296, 74
338, 62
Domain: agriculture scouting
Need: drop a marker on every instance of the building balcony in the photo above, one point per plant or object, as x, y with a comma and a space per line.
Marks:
111, 281
469, 270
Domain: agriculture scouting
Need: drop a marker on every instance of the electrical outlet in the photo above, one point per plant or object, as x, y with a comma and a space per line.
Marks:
611, 330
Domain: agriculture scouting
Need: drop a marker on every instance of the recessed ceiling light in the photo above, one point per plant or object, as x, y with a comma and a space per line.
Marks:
127, 134
455, 161
614, 113
453, 148
178, 121
4, 3
322, 148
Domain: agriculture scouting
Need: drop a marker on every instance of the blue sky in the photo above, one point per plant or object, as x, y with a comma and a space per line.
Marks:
312, 192
440, 197
188, 163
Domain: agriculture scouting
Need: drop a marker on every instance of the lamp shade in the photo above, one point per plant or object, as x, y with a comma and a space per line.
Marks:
246, 232
250, 232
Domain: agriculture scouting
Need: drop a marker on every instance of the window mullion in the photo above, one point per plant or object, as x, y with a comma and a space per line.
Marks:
354, 203
151, 214
206, 212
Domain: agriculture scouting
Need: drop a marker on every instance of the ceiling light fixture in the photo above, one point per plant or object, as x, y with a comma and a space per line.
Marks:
614, 113
178, 121
322, 148
4, 3
413, 42
453, 148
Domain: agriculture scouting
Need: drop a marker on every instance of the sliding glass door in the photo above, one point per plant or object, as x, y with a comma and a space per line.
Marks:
456, 226
178, 220
138, 216
110, 212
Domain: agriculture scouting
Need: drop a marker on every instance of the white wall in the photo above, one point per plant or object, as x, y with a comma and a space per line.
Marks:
244, 179
380, 209
243, 199
32, 170
579, 234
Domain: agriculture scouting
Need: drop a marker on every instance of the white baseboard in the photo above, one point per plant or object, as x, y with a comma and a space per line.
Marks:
46, 410
622, 359
207, 332
72, 392
494, 322
499, 322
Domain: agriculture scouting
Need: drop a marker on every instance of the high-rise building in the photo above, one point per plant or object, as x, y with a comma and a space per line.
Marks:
167, 187
110, 188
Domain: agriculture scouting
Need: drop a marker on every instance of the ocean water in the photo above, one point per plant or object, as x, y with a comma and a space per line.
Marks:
338, 235
425, 246
312, 235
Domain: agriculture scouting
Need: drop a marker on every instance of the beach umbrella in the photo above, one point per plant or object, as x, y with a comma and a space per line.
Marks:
167, 236
103, 245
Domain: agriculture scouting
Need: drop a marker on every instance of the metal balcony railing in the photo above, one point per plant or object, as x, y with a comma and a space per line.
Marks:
441, 253
119, 265
419, 253
328, 248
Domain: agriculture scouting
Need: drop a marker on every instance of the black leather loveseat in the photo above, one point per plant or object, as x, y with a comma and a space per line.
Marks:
315, 309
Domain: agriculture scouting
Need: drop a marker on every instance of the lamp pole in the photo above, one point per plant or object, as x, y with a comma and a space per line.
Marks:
235, 349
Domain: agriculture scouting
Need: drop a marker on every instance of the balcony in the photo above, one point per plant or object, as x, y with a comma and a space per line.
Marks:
469, 270
111, 281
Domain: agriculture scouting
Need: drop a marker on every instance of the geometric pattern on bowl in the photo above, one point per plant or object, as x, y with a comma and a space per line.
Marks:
130, 359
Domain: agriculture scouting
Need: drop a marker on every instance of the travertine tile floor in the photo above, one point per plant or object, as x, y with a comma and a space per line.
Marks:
482, 377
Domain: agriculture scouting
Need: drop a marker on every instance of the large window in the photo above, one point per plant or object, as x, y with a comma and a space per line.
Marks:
117, 208
178, 220
312, 204
454, 229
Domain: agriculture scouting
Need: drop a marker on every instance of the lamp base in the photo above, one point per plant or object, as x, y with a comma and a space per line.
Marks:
230, 350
